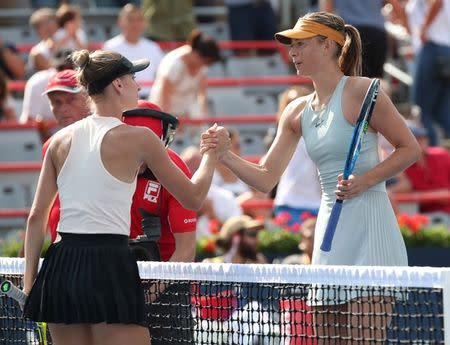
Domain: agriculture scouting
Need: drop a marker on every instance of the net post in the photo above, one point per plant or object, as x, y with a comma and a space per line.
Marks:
446, 305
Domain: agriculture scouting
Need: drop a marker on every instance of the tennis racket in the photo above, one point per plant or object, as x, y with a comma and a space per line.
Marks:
9, 289
355, 146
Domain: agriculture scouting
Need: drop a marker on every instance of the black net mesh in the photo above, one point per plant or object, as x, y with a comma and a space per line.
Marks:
211, 311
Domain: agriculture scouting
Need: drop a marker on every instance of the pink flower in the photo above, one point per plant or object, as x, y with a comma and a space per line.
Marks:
305, 215
295, 227
213, 226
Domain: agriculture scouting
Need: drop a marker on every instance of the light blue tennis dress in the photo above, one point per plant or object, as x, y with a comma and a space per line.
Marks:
367, 233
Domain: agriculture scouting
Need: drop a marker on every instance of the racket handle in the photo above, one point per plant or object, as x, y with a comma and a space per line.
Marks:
10, 290
331, 226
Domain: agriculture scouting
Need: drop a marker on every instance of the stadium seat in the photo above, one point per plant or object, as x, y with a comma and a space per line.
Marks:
216, 71
233, 101
218, 30
19, 34
18, 145
252, 144
12, 196
260, 66
95, 32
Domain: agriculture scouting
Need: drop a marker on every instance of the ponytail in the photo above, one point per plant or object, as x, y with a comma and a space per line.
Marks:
350, 57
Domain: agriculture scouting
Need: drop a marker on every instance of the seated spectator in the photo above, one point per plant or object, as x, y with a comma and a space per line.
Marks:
44, 23
238, 238
7, 112
70, 35
224, 177
169, 20
213, 210
255, 195
133, 46
36, 107
430, 173
251, 20
180, 85
11, 63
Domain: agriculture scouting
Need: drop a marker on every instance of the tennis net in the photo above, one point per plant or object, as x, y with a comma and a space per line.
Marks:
196, 303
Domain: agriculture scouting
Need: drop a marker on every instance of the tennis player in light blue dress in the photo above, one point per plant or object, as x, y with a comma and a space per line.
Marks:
327, 50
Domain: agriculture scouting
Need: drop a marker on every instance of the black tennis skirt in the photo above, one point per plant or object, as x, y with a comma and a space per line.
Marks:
88, 278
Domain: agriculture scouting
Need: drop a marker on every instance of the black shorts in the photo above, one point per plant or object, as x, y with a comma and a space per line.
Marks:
88, 278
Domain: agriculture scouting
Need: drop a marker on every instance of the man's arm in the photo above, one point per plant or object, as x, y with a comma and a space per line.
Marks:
184, 247
12, 61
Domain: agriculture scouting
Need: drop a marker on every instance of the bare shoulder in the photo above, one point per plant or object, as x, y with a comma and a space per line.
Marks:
356, 87
291, 116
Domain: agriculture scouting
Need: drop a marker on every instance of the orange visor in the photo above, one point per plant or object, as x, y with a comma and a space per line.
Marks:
306, 29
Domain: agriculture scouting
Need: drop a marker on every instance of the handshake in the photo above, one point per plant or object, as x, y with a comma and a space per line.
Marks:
215, 140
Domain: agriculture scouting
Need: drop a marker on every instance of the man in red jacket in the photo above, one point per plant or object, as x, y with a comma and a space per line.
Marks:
163, 230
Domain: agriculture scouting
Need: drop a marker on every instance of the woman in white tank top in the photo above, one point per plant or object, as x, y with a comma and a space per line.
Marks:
328, 51
88, 288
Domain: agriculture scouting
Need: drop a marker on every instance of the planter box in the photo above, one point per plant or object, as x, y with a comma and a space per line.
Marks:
429, 256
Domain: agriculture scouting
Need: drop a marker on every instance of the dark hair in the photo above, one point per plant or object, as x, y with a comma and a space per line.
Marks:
349, 55
94, 66
3, 88
63, 59
66, 13
204, 45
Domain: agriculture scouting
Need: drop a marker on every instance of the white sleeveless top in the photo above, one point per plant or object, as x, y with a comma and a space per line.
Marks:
92, 200
299, 186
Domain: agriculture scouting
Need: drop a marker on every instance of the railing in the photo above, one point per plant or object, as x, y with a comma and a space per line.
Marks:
400, 198
235, 45
19, 85
414, 197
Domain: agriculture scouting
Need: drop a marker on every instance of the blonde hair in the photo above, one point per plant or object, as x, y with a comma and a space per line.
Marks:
349, 55
42, 15
94, 66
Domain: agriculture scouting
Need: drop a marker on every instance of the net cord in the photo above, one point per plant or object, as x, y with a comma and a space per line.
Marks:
427, 277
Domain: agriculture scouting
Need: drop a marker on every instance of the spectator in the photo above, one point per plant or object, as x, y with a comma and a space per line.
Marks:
212, 211
169, 20
254, 195
367, 18
7, 112
298, 190
251, 20
224, 177
36, 107
45, 24
133, 46
431, 86
180, 85
430, 173
70, 34
11, 63
238, 238
306, 245
157, 215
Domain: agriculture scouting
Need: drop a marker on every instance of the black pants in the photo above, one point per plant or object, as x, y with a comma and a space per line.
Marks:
374, 51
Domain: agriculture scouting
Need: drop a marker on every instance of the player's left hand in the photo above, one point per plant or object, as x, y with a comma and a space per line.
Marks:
354, 186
